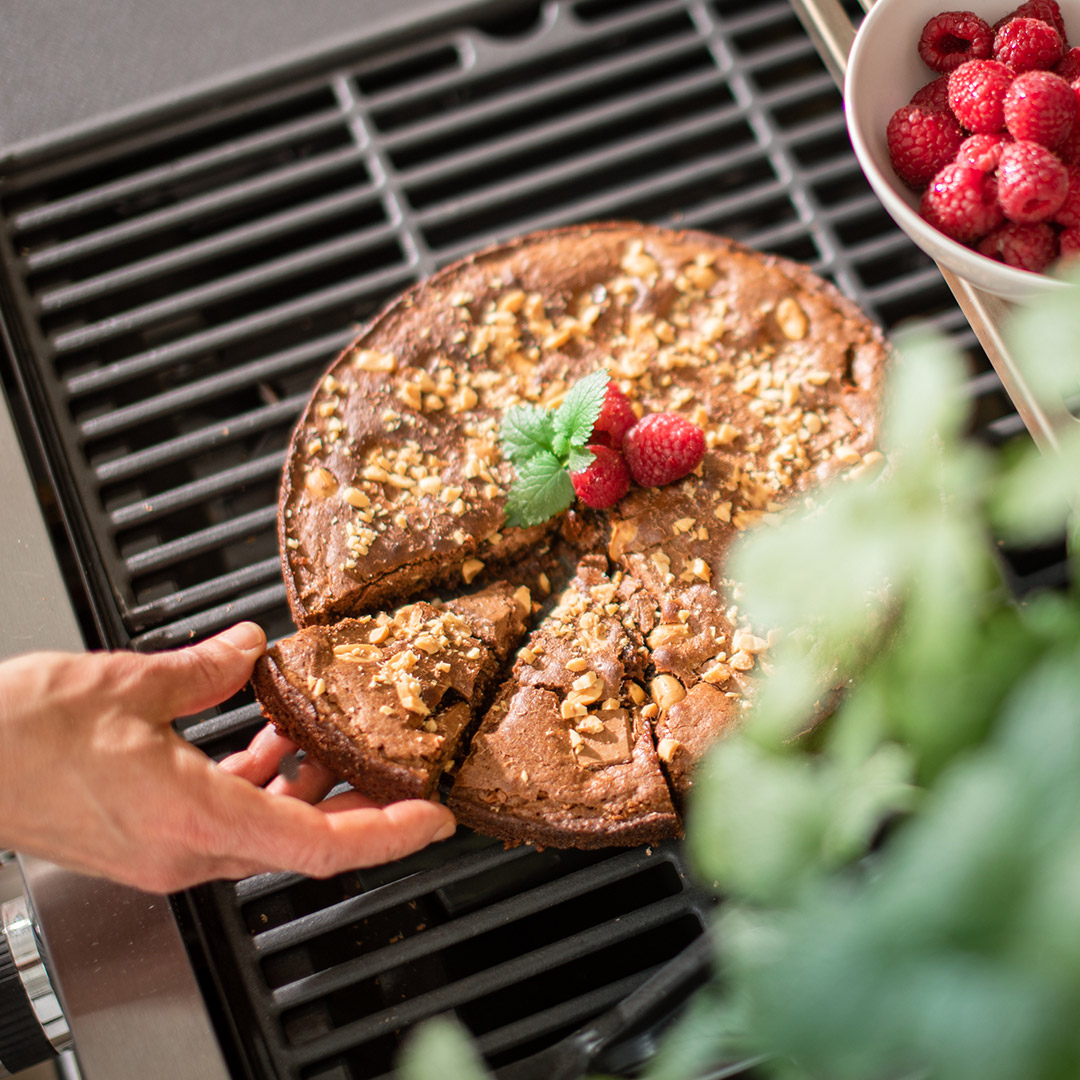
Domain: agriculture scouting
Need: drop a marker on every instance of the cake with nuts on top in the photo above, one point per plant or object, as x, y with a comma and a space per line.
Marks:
395, 488
384, 699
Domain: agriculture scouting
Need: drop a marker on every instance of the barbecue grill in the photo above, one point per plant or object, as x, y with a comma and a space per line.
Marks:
191, 230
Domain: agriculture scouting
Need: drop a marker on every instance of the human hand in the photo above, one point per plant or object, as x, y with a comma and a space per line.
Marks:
93, 777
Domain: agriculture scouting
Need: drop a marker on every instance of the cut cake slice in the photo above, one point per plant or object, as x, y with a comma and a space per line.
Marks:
565, 756
384, 700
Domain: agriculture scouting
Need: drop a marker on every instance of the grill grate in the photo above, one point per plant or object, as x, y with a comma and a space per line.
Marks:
175, 291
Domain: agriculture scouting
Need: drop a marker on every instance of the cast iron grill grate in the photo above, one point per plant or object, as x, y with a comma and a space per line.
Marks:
174, 293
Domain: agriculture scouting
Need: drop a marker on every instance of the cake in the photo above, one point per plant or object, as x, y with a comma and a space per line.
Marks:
384, 699
565, 756
395, 487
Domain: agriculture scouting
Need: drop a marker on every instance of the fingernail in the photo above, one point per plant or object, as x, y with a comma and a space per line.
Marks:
245, 636
445, 830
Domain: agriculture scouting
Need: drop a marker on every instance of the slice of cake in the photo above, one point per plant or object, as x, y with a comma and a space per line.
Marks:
565, 755
384, 700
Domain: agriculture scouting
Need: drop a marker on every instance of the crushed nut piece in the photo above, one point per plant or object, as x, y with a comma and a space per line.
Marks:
469, 569
667, 633
372, 360
792, 319
321, 483
666, 749
666, 690
355, 497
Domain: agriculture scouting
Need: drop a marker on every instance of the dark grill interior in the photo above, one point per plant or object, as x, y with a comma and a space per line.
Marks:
173, 294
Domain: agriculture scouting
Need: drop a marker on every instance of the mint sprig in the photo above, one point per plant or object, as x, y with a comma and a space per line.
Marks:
545, 447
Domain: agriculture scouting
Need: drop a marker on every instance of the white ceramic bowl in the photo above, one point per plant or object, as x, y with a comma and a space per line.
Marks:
884, 70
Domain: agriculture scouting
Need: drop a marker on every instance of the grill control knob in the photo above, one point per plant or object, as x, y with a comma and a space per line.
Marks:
32, 1024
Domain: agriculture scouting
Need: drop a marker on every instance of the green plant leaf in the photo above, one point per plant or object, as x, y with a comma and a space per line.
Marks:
577, 415
542, 490
1042, 339
441, 1049
525, 431
580, 459
1033, 499
756, 820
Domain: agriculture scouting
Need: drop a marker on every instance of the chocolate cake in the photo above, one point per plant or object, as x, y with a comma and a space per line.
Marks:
384, 699
565, 756
395, 488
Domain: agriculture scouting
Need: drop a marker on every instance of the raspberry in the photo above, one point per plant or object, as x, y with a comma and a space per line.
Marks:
663, 447
1069, 150
952, 37
934, 95
1069, 214
1030, 247
605, 481
1027, 44
1068, 67
1032, 182
615, 420
1069, 243
1040, 106
981, 151
977, 92
1047, 10
921, 141
962, 202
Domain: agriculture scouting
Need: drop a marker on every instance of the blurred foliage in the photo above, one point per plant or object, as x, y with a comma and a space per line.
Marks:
901, 892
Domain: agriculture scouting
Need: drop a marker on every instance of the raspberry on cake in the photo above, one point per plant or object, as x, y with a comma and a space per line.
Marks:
616, 418
605, 481
662, 448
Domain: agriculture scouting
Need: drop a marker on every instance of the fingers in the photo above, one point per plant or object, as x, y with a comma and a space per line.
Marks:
343, 833
371, 836
188, 680
310, 781
260, 762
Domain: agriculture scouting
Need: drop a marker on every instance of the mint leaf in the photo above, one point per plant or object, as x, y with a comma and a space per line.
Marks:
580, 458
577, 415
525, 430
541, 491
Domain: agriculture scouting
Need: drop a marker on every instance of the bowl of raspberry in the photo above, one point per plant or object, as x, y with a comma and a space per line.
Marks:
967, 125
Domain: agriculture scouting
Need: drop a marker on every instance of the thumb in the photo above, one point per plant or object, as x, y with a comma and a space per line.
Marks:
188, 680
